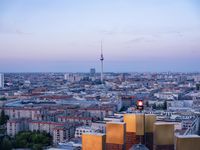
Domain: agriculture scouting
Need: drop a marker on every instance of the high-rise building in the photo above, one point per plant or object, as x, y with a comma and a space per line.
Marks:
92, 71
198, 86
134, 129
72, 77
93, 141
115, 136
163, 136
150, 119
187, 142
1, 80
66, 76
139, 129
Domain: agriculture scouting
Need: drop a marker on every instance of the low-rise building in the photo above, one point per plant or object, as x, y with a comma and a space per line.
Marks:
62, 134
14, 126
83, 129
99, 126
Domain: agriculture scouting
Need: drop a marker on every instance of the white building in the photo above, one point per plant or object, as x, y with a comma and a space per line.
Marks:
197, 78
167, 95
66, 76
179, 105
1, 80
99, 126
83, 129
72, 77
113, 119
27, 83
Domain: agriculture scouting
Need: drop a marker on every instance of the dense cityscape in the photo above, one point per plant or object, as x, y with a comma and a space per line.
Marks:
99, 75
64, 106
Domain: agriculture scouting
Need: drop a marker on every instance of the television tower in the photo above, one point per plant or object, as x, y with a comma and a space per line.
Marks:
101, 59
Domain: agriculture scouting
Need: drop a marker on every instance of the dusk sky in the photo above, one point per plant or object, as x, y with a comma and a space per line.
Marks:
65, 35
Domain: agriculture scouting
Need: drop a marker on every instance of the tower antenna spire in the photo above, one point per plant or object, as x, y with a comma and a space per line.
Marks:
101, 48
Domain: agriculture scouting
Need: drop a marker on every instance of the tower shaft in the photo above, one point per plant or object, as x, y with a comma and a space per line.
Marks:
101, 59
101, 71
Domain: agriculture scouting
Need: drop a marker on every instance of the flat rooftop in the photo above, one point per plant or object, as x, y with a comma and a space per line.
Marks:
22, 103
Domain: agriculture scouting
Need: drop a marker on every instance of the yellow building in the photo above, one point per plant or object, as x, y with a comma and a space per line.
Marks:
150, 119
134, 123
115, 132
163, 135
187, 142
93, 141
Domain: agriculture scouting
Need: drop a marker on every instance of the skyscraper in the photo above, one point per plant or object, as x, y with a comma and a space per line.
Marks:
92, 71
1, 80
101, 59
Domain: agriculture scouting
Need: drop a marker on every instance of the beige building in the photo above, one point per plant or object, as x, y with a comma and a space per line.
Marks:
17, 113
187, 142
62, 134
14, 126
46, 126
60, 131
84, 120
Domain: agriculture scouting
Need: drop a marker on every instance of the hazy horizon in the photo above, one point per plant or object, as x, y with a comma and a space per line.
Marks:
64, 36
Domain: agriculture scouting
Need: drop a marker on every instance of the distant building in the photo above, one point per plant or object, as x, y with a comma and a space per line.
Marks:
113, 119
99, 126
197, 78
127, 101
72, 77
92, 71
83, 129
66, 76
71, 119
27, 83
166, 95
1, 80
198, 86
179, 105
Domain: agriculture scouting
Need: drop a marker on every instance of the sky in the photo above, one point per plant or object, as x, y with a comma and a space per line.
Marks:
65, 35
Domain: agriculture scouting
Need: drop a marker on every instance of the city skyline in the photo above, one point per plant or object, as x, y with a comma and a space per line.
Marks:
64, 36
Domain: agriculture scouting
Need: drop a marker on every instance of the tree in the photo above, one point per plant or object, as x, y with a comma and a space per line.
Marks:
33, 140
165, 105
3, 99
37, 147
6, 144
154, 106
147, 103
3, 118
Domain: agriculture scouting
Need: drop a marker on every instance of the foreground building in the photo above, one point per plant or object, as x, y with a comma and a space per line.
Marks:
140, 128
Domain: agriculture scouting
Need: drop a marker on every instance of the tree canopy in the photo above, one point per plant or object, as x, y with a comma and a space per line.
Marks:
3, 118
33, 140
